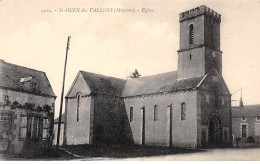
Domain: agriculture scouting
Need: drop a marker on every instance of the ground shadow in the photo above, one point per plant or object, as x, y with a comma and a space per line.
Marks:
125, 151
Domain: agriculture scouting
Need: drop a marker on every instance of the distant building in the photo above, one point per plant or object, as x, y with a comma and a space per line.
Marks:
56, 123
26, 109
246, 122
190, 107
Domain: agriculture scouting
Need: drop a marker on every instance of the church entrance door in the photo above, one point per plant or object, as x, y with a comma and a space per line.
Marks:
215, 132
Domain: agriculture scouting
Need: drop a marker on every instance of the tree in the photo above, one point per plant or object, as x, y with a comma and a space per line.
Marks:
134, 74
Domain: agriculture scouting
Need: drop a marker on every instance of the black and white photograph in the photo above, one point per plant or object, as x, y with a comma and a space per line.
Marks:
123, 80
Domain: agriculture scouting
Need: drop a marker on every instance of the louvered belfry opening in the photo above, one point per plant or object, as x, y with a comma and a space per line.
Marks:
191, 35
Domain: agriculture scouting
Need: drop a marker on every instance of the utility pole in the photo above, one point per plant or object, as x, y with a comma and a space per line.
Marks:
62, 93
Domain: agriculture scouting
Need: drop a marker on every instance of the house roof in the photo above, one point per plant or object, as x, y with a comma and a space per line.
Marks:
14, 77
246, 110
103, 84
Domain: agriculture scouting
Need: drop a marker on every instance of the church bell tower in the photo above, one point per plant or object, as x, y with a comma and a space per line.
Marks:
199, 43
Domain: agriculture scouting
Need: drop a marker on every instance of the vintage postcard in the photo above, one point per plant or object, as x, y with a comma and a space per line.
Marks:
172, 80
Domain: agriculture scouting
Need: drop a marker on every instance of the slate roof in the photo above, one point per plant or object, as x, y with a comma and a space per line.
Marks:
104, 84
11, 75
149, 84
165, 82
246, 110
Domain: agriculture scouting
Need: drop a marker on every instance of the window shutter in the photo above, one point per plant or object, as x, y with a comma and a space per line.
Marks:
40, 128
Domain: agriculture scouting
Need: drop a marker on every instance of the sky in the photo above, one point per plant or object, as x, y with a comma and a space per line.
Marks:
114, 44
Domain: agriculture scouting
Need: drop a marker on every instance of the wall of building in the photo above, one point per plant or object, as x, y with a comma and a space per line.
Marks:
23, 98
107, 120
16, 144
79, 132
191, 63
212, 32
184, 133
218, 103
11, 132
199, 30
250, 123
79, 86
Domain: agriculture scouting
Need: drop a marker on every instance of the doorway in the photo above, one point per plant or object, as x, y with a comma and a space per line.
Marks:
215, 132
169, 126
142, 127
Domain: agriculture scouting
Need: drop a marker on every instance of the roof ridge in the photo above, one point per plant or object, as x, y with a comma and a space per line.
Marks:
101, 75
152, 75
246, 105
23, 67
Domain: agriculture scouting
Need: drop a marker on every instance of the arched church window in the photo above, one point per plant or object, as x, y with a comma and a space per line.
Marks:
215, 99
183, 111
156, 113
78, 101
131, 114
191, 34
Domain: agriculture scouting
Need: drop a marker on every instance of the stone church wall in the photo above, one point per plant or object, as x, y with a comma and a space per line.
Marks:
107, 127
79, 132
214, 103
184, 133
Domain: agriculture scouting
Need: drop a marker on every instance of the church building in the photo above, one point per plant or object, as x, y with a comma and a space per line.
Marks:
190, 107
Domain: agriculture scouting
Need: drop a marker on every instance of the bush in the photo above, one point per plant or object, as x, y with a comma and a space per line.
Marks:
250, 139
15, 104
28, 106
47, 108
238, 139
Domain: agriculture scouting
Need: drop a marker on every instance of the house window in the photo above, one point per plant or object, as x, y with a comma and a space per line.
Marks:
131, 114
257, 118
5, 117
23, 127
191, 35
34, 86
244, 131
155, 113
257, 129
183, 111
243, 118
45, 128
6, 99
34, 128
78, 101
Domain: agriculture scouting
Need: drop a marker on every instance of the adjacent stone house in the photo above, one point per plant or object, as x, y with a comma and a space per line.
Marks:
246, 122
26, 109
190, 107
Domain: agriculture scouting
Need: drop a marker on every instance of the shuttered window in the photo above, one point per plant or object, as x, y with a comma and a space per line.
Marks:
23, 127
